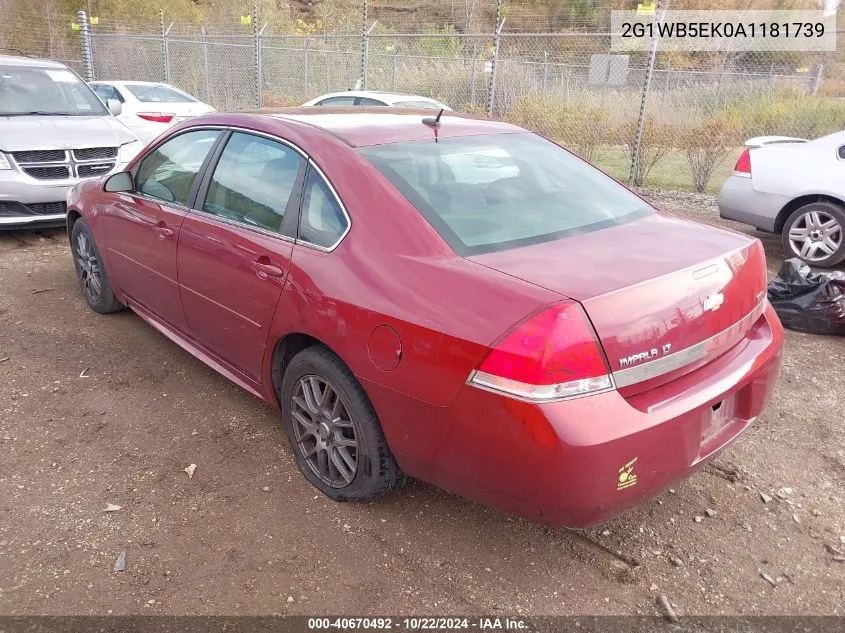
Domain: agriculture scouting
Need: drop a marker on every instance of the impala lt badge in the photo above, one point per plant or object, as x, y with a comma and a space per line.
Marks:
644, 356
714, 302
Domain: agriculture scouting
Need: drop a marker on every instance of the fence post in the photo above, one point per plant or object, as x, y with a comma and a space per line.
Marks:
85, 42
362, 79
497, 37
472, 80
205, 65
394, 68
545, 71
652, 56
165, 45
666, 88
367, 55
256, 34
816, 78
305, 67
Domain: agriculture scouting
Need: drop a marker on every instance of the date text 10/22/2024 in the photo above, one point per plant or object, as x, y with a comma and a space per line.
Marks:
418, 624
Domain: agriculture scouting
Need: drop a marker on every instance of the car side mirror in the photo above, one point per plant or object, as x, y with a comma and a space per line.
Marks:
121, 182
114, 106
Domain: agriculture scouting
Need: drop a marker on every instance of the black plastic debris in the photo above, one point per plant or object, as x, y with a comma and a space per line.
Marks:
807, 300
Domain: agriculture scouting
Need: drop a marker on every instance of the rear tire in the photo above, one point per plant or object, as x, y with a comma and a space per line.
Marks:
337, 440
814, 233
91, 271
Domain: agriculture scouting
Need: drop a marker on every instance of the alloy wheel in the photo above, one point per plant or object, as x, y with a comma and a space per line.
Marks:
324, 432
815, 236
89, 268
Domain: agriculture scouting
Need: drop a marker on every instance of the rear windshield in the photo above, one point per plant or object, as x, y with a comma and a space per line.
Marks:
27, 90
158, 94
494, 192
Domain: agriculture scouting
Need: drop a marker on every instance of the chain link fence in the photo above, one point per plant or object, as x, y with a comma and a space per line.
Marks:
678, 125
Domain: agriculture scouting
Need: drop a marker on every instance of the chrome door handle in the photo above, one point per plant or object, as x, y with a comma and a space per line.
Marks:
162, 231
265, 269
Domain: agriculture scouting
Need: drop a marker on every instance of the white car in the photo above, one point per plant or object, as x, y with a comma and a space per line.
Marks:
794, 188
369, 98
149, 108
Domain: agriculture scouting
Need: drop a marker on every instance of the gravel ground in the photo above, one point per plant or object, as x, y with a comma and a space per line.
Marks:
98, 410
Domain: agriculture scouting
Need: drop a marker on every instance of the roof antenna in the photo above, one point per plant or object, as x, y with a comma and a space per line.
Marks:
435, 123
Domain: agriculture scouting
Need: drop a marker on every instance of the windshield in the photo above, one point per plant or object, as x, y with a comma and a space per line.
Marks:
493, 192
158, 94
46, 91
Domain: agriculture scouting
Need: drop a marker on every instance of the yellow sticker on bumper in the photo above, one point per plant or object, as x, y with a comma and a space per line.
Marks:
627, 477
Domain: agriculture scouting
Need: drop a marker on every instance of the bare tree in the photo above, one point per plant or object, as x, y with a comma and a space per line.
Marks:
469, 12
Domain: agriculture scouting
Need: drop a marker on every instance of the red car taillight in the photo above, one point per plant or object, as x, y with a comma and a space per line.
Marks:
743, 164
156, 117
553, 356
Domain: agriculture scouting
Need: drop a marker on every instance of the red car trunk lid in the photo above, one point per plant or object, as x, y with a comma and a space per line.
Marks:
664, 294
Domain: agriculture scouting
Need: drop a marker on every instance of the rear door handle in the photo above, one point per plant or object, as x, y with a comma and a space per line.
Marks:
162, 231
264, 269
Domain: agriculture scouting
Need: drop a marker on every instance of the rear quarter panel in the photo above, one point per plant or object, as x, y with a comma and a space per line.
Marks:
393, 269
796, 170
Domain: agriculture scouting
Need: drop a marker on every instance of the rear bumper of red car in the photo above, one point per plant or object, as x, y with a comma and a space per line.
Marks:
579, 462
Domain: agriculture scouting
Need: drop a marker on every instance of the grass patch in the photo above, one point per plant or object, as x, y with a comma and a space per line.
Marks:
671, 172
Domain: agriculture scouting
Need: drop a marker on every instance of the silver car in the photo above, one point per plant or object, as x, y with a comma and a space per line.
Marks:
54, 133
795, 189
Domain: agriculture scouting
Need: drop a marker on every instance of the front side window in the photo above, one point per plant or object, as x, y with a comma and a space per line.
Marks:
158, 94
168, 172
253, 181
492, 192
322, 221
26, 90
106, 92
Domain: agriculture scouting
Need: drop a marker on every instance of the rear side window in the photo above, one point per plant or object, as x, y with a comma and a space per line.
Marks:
366, 102
253, 181
338, 101
322, 221
168, 172
493, 192
429, 105
158, 94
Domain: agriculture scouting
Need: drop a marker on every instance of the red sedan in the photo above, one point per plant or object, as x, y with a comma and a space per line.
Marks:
457, 300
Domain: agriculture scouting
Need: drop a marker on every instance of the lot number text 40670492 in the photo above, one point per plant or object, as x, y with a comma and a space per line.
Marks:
417, 624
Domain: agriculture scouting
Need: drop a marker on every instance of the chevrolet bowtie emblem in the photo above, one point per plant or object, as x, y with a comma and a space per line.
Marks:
714, 302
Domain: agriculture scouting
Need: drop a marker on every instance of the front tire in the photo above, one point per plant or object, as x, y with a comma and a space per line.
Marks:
91, 271
814, 233
337, 440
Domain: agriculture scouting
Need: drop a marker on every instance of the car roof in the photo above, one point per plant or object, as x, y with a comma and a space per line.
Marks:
130, 83
31, 62
360, 127
390, 97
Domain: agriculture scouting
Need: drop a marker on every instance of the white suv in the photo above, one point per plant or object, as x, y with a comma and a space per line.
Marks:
54, 133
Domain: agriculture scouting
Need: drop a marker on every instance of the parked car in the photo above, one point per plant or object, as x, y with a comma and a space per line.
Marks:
795, 188
150, 108
443, 300
54, 133
367, 98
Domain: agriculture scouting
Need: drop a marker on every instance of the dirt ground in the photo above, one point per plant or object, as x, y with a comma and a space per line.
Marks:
98, 410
